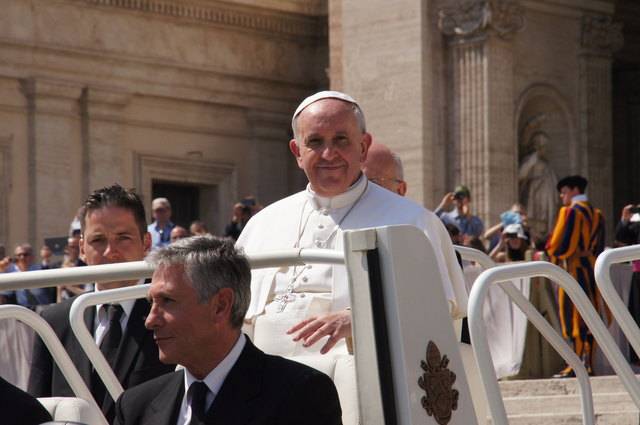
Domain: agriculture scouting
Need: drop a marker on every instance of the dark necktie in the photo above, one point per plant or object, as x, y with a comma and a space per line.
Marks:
112, 337
199, 392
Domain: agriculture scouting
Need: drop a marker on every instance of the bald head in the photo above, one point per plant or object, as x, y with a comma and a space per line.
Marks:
384, 168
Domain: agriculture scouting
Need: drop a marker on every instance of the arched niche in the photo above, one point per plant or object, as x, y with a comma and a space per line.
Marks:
545, 152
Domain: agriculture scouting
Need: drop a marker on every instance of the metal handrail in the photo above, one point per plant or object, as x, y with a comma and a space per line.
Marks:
141, 270
59, 354
475, 255
501, 275
620, 311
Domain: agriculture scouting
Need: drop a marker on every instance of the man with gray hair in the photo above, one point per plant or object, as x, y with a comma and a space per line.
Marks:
384, 168
199, 295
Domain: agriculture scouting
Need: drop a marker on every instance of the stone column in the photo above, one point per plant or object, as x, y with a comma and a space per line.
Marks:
53, 139
600, 38
482, 124
103, 139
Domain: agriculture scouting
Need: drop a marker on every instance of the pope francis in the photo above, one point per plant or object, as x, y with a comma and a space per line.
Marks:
302, 310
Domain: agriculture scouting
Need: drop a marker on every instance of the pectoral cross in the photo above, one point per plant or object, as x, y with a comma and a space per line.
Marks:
285, 299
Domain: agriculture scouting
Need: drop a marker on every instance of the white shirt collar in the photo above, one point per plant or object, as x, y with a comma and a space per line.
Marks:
216, 377
339, 201
127, 305
579, 198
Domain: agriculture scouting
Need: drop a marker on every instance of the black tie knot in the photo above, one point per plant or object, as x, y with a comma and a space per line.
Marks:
199, 392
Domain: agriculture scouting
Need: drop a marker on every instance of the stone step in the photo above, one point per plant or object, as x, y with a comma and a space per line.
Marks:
557, 401
568, 386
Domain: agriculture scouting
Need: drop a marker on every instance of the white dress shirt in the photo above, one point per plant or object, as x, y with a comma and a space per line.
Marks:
213, 381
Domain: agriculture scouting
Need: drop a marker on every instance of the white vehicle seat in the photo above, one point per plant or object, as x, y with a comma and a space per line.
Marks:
70, 409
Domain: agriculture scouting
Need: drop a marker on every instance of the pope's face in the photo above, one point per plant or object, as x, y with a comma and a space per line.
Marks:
330, 147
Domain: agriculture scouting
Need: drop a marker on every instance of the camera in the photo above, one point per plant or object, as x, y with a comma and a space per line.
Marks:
511, 235
458, 196
635, 209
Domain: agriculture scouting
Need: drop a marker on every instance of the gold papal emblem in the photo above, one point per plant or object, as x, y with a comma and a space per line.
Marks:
441, 398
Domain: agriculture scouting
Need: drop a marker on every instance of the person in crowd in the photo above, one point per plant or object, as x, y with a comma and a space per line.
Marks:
384, 168
330, 145
241, 215
114, 230
161, 227
517, 214
513, 244
46, 261
198, 228
20, 408
6, 266
30, 297
178, 232
200, 292
475, 243
628, 233
71, 259
455, 208
576, 240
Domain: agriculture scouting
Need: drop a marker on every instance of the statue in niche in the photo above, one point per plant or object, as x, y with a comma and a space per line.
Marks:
537, 182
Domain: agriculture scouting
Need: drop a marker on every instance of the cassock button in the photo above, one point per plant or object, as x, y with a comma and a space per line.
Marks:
303, 295
325, 212
305, 279
318, 243
320, 226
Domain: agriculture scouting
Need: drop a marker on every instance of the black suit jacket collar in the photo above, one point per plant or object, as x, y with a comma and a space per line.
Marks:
232, 405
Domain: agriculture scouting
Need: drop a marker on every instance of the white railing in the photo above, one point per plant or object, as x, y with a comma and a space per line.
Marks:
611, 296
475, 255
501, 275
59, 354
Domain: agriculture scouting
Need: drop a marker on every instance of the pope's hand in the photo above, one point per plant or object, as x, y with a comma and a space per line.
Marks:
336, 325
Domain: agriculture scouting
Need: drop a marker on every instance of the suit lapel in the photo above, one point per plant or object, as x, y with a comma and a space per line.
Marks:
132, 340
76, 352
164, 408
232, 405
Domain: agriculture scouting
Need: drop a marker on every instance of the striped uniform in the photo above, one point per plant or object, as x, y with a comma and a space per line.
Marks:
578, 237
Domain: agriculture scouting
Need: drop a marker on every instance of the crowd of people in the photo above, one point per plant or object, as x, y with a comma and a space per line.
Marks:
228, 325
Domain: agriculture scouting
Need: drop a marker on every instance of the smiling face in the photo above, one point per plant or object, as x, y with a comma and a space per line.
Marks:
185, 329
330, 147
111, 235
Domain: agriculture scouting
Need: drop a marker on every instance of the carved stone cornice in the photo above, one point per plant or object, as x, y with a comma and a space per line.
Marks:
285, 24
477, 18
601, 35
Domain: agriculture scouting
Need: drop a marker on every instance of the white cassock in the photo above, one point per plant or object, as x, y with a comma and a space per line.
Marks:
307, 220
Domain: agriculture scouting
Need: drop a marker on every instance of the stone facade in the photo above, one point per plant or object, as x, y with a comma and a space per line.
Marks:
475, 79
200, 92
100, 91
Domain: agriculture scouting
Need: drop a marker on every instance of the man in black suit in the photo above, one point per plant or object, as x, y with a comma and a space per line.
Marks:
113, 231
199, 295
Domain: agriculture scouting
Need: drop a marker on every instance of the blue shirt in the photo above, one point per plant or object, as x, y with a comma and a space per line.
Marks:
468, 225
160, 237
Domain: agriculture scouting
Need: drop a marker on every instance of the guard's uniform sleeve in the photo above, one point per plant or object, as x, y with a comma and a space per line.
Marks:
564, 240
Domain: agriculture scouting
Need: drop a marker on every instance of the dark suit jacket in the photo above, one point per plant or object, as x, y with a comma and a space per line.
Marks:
19, 408
259, 390
136, 362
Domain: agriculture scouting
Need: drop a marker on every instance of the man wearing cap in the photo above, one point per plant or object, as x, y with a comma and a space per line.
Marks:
460, 216
160, 229
384, 168
311, 303
577, 238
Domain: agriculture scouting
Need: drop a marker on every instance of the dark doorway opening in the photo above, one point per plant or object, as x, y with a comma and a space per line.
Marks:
184, 199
